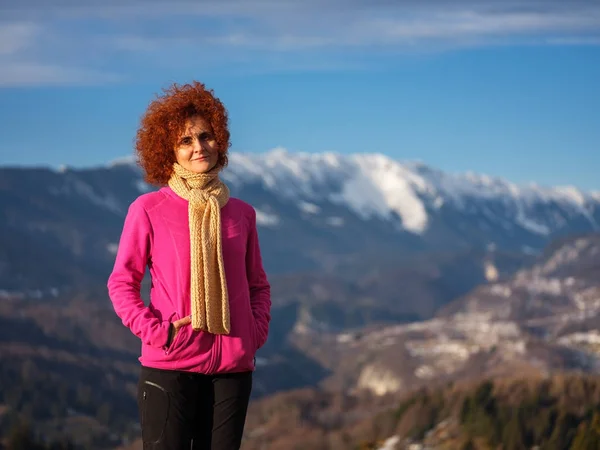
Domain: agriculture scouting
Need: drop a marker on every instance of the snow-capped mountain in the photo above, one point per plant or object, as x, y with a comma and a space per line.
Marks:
317, 212
410, 194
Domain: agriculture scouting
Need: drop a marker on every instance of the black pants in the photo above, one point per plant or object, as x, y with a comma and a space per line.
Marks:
180, 410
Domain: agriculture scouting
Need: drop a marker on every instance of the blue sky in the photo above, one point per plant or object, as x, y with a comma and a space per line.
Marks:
507, 88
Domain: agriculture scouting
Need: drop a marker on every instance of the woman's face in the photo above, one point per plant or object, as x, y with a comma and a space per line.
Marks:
196, 149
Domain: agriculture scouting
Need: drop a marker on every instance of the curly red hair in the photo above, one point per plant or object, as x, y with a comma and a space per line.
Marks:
164, 121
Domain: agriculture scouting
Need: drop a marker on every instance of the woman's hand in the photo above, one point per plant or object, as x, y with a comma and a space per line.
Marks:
181, 323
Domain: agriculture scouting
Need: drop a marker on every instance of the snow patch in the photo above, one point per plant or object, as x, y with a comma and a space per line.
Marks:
490, 271
335, 221
378, 381
344, 338
309, 208
35, 294
533, 226
425, 372
74, 186
381, 187
266, 219
261, 362
501, 290
591, 337
123, 161
540, 286
142, 186
390, 443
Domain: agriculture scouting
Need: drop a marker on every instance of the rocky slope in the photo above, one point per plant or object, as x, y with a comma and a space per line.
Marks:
542, 319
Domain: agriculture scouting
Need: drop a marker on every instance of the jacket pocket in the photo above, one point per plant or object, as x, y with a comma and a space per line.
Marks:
176, 341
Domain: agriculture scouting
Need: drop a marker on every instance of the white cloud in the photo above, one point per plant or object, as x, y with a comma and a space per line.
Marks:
574, 41
399, 31
15, 37
267, 33
300, 26
468, 23
33, 74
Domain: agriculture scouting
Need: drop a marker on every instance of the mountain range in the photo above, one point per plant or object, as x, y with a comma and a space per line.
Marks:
323, 213
385, 276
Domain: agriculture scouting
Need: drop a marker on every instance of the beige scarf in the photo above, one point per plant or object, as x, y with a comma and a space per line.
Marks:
206, 195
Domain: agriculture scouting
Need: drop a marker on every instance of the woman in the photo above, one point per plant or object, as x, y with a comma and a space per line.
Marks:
210, 301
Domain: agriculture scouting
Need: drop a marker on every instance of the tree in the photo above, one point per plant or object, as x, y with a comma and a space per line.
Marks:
512, 436
103, 413
468, 445
563, 432
20, 437
588, 435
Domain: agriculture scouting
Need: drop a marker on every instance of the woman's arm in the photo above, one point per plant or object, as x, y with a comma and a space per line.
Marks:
260, 289
124, 283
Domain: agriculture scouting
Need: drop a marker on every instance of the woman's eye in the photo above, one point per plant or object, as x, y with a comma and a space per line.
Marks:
206, 137
186, 141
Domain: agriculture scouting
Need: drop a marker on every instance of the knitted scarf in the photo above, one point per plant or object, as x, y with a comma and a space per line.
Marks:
206, 195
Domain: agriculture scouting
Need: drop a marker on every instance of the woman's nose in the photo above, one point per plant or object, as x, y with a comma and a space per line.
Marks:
197, 146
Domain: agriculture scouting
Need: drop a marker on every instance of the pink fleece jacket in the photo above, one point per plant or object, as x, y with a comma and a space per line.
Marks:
156, 236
